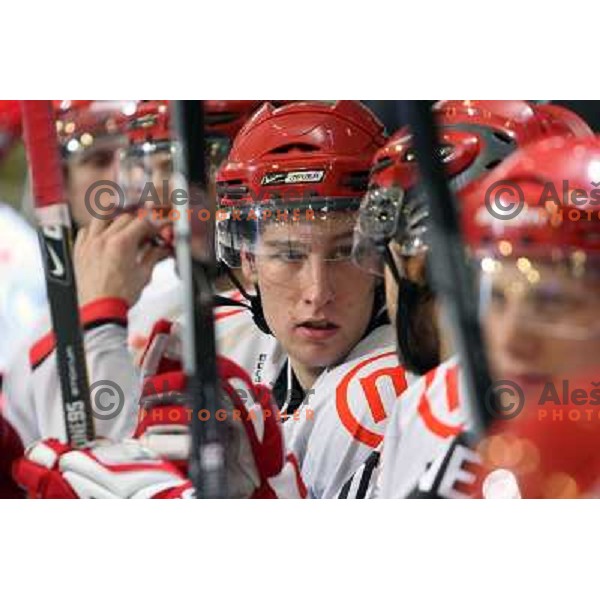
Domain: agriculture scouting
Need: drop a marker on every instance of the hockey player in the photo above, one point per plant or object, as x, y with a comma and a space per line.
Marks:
89, 140
316, 329
538, 284
475, 137
112, 282
325, 313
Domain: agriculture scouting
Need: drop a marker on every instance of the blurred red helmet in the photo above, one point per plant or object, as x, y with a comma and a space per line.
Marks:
148, 122
85, 124
550, 193
475, 137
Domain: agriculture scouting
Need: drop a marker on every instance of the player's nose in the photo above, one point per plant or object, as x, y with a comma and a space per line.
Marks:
317, 286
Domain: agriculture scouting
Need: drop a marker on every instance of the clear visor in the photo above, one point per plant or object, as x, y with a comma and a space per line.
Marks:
281, 244
385, 217
147, 174
555, 296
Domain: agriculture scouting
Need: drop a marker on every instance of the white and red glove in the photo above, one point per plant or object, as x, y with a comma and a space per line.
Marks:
52, 469
151, 466
256, 461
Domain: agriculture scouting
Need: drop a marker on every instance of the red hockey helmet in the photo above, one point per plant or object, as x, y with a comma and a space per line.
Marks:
475, 136
534, 227
306, 157
148, 157
83, 125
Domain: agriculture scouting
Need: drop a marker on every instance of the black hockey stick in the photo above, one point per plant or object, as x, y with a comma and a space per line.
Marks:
207, 456
451, 277
56, 239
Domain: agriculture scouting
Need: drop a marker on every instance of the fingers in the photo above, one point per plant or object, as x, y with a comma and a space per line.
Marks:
150, 257
97, 226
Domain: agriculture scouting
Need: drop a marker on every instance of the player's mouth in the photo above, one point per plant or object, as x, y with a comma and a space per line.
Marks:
529, 379
316, 329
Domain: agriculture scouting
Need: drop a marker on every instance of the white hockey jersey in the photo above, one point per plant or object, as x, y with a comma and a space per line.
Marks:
22, 285
113, 337
345, 415
426, 450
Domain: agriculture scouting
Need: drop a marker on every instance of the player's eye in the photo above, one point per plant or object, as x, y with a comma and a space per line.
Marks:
553, 301
343, 252
289, 254
498, 297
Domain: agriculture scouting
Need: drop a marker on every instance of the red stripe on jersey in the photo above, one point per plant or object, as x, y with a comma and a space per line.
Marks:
452, 387
432, 423
105, 310
371, 393
229, 313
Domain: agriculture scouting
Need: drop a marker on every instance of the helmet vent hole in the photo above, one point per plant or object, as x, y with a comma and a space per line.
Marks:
289, 148
492, 164
503, 137
357, 181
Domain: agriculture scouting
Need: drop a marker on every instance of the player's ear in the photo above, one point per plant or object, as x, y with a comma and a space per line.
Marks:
249, 267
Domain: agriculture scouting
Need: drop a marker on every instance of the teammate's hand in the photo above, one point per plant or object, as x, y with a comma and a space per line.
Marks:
115, 259
52, 469
257, 463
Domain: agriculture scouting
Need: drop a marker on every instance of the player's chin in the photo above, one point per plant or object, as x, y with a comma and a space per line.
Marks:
323, 354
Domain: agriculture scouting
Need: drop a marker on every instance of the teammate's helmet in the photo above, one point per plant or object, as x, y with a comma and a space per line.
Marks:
85, 125
549, 240
291, 169
148, 157
474, 137
538, 271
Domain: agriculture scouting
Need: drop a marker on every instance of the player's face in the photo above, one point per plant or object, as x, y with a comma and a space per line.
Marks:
539, 321
82, 173
315, 300
148, 177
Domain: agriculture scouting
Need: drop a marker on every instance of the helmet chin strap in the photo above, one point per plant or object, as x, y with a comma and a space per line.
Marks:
254, 304
414, 355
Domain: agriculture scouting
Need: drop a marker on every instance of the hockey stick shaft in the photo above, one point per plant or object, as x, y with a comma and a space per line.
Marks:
56, 237
207, 457
451, 277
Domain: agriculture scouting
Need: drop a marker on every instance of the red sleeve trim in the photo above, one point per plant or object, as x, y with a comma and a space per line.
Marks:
94, 314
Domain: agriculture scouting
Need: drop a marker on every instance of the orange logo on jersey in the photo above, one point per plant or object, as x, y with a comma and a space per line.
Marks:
371, 393
434, 424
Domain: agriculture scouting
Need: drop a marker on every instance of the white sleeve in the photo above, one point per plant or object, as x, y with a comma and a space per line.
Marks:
112, 375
